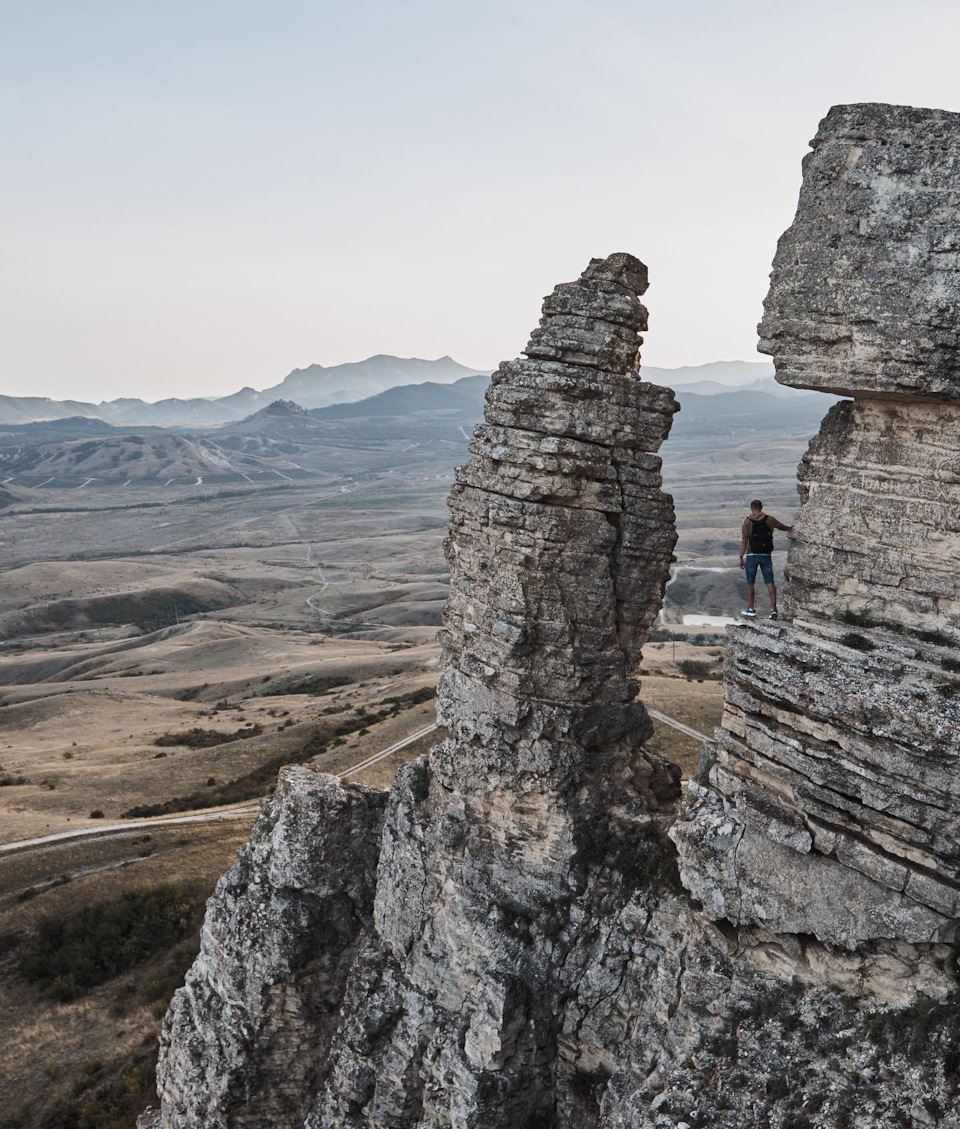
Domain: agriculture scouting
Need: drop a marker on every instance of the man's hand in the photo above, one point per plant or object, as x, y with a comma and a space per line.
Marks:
742, 565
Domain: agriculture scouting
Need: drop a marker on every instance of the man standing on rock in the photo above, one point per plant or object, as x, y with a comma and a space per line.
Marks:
756, 534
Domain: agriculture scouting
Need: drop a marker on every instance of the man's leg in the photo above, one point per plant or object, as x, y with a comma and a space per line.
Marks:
750, 568
772, 590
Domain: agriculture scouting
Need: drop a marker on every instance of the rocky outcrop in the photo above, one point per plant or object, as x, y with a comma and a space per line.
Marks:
535, 953
832, 802
863, 296
245, 1039
471, 997
559, 549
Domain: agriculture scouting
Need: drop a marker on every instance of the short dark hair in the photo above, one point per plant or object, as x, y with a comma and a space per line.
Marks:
756, 504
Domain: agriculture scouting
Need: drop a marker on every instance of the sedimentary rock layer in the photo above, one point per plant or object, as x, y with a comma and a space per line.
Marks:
833, 805
529, 957
559, 548
472, 993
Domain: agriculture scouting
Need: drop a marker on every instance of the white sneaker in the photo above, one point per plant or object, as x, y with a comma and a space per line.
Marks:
750, 612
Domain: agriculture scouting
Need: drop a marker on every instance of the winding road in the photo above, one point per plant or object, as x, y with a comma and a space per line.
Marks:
251, 809
679, 725
225, 813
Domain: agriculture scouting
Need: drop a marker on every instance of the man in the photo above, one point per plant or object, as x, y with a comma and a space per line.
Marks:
756, 534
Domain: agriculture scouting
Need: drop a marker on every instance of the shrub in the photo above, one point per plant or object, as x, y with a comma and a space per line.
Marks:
414, 698
69, 956
197, 738
96, 814
693, 668
315, 684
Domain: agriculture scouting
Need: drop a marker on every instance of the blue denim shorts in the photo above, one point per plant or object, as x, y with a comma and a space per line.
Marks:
762, 561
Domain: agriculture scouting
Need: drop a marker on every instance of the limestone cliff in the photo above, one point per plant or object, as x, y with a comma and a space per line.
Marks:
832, 806
527, 954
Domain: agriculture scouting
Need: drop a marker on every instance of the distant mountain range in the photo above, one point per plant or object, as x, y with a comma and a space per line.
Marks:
311, 387
284, 438
728, 374
319, 387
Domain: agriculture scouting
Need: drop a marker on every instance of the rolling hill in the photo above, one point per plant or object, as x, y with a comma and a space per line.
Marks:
117, 458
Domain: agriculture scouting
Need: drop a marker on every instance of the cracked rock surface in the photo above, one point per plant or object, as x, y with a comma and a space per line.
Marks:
833, 802
519, 862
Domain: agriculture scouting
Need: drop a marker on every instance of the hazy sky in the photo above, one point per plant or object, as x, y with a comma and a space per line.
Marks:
201, 195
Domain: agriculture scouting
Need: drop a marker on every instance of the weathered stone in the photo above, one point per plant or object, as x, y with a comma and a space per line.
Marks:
245, 1041
843, 725
865, 291
559, 548
532, 956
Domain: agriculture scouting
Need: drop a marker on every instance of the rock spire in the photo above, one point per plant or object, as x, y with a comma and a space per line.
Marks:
507, 941
456, 1011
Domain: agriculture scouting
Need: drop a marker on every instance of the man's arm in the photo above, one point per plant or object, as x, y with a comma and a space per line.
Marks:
744, 542
774, 524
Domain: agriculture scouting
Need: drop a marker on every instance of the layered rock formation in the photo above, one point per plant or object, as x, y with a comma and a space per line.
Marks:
833, 805
527, 957
246, 1037
466, 1003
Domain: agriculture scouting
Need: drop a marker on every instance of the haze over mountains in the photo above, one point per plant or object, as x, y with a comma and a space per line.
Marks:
311, 387
317, 387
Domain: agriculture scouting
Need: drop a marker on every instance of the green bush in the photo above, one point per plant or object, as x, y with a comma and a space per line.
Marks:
693, 668
69, 956
315, 684
197, 738
414, 698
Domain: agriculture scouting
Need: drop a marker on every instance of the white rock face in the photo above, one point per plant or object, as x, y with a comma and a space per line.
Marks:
838, 759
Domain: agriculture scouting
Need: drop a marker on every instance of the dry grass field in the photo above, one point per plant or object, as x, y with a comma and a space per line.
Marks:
90, 1052
697, 704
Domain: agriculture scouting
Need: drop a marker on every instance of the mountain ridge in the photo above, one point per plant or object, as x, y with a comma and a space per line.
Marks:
317, 386
312, 387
